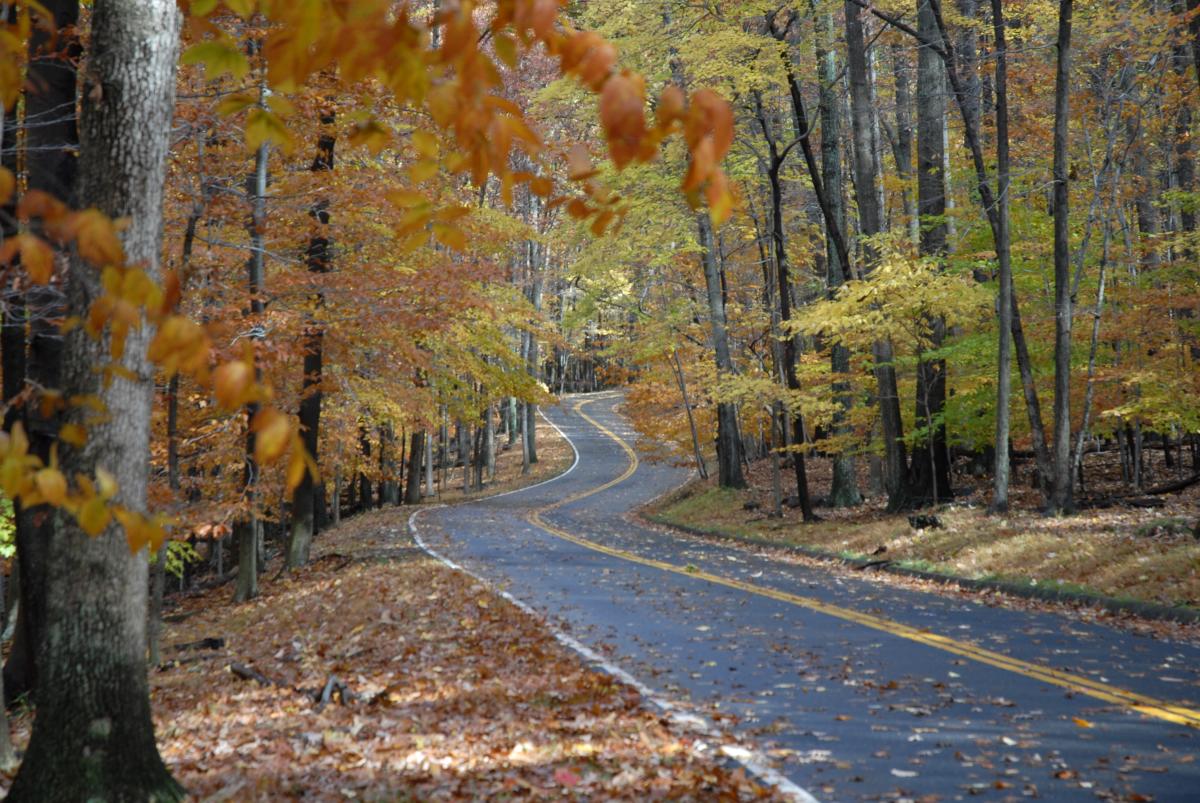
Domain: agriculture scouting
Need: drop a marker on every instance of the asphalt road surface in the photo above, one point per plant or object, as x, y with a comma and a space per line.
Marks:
855, 690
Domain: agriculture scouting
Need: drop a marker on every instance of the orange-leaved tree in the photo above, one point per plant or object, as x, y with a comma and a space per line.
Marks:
92, 736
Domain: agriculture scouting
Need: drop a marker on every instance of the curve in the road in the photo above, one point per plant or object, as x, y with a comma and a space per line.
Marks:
1150, 706
854, 710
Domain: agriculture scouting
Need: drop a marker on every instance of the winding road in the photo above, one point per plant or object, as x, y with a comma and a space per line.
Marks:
851, 689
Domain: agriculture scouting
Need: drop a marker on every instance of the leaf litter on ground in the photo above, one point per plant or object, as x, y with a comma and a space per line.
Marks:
377, 673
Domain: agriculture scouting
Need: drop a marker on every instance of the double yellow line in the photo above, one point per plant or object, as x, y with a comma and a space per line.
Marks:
1143, 704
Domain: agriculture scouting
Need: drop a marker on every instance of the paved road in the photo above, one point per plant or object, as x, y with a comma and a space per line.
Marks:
857, 690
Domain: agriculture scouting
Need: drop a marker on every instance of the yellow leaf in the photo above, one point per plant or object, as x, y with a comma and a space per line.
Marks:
52, 485
371, 135
423, 171
1083, 723
8, 185
425, 143
271, 431
506, 49
243, 8
201, 8
296, 468
232, 104
406, 199
450, 236
264, 127
73, 434
94, 516
218, 57
108, 483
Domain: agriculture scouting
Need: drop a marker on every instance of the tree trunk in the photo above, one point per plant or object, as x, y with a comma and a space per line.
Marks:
783, 285
364, 481
729, 464
866, 182
247, 530
1061, 492
429, 490
988, 202
677, 369
930, 474
93, 738
50, 141
304, 504
416, 454
843, 490
902, 148
1001, 469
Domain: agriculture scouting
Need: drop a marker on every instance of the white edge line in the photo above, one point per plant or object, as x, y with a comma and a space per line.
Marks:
752, 760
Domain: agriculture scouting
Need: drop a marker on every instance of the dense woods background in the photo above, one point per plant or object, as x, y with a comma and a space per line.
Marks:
914, 239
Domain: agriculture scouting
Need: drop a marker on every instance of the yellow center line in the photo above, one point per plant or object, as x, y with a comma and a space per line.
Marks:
1149, 706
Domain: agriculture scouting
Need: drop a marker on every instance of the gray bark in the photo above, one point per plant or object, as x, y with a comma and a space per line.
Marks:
729, 465
866, 183
1061, 492
1001, 469
93, 738
248, 530
930, 476
843, 490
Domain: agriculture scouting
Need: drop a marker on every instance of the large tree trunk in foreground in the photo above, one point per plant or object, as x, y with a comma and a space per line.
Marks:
93, 738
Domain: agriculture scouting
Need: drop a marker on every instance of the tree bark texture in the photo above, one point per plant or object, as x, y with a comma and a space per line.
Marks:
729, 464
304, 506
93, 738
1061, 492
930, 473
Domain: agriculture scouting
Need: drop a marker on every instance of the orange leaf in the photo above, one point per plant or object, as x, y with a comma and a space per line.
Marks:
96, 237
232, 383
720, 199
36, 256
8, 185
670, 106
622, 114
709, 116
579, 164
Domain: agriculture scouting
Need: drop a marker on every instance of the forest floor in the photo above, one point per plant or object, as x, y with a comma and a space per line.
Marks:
554, 457
1119, 549
377, 673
